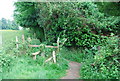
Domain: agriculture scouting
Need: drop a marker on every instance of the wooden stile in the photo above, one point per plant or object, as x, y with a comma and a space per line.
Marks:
47, 46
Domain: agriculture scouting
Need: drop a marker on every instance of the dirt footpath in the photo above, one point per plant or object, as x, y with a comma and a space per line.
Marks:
73, 71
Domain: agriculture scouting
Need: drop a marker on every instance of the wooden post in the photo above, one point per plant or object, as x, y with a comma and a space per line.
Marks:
54, 57
23, 39
16, 42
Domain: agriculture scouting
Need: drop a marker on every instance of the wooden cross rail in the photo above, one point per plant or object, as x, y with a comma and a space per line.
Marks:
34, 54
48, 46
45, 46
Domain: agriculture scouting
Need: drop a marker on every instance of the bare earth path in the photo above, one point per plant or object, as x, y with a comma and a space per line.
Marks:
73, 71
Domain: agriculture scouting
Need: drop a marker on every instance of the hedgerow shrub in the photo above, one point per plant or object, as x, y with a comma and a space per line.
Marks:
76, 21
105, 63
81, 23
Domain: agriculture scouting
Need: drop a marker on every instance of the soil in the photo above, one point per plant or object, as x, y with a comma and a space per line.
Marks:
73, 71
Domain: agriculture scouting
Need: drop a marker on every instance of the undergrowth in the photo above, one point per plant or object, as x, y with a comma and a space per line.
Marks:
104, 63
19, 63
73, 54
25, 67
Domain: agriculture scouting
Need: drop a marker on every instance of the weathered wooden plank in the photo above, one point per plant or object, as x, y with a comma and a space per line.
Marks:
45, 46
34, 45
48, 59
36, 53
51, 46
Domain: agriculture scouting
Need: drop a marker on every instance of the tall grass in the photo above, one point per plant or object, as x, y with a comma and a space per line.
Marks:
15, 66
27, 68
73, 54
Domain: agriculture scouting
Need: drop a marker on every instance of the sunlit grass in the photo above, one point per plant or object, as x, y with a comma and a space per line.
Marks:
9, 35
27, 68
9, 30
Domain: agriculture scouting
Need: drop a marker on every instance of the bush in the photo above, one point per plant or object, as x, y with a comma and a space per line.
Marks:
105, 63
76, 21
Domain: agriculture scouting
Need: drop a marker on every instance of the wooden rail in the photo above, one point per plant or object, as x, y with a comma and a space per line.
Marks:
42, 52
45, 46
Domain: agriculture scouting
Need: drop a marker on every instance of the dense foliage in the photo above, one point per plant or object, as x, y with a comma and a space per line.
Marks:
76, 21
106, 8
104, 63
26, 16
7, 24
85, 25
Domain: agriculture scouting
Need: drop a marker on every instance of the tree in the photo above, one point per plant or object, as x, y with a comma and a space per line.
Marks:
109, 8
14, 25
26, 16
82, 23
4, 23
7, 24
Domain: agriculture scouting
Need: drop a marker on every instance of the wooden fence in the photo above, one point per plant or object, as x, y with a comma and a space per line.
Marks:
54, 52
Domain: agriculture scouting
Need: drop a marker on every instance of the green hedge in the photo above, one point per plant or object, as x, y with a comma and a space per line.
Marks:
81, 23
105, 63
